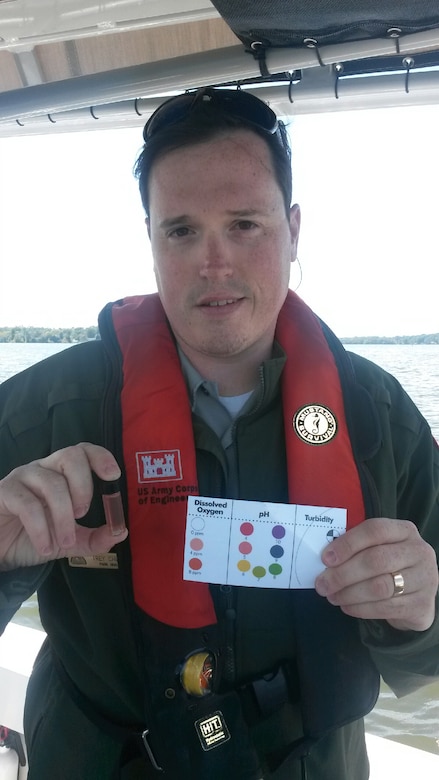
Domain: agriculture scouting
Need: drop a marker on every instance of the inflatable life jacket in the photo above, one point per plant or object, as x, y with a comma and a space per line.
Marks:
159, 450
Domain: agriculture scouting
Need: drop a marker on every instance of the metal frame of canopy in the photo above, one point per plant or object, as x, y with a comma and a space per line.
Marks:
126, 96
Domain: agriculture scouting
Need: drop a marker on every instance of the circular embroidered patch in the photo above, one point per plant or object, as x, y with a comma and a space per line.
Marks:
315, 424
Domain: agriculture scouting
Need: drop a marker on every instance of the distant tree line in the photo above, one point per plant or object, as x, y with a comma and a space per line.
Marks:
33, 335
21, 335
424, 338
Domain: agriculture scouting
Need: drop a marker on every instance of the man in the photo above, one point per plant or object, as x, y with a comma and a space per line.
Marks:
225, 386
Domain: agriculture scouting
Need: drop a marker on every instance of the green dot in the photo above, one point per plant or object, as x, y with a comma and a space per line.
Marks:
259, 572
275, 568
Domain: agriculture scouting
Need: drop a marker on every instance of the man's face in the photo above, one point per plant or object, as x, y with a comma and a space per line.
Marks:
222, 246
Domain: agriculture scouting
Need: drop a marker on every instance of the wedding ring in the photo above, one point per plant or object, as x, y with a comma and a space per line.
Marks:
398, 584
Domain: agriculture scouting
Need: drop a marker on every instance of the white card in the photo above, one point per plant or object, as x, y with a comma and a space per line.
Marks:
257, 544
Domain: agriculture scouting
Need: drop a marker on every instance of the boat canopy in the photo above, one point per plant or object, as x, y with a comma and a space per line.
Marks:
72, 64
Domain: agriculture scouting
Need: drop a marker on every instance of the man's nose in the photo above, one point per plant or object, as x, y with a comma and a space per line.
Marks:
216, 259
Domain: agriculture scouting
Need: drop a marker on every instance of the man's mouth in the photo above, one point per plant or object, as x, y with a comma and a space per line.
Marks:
220, 303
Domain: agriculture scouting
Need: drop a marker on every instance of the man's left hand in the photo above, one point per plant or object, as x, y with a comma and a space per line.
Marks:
361, 565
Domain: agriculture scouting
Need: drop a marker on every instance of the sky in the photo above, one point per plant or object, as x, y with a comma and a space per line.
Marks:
72, 233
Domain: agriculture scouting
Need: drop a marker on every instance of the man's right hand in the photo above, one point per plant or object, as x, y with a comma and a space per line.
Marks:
41, 502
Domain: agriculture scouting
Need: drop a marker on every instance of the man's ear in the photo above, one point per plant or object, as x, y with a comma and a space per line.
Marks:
294, 230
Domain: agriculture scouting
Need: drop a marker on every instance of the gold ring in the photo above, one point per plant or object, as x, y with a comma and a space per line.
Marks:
398, 584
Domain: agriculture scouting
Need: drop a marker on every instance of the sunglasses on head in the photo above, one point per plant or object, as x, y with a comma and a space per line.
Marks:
235, 102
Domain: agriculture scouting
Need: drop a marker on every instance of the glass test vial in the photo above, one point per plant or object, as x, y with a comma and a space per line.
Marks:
113, 507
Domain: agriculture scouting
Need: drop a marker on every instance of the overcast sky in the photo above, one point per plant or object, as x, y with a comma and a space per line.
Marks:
72, 235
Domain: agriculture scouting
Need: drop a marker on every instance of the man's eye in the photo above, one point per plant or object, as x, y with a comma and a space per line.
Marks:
179, 232
245, 224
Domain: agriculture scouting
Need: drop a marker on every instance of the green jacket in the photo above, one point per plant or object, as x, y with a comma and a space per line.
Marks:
89, 613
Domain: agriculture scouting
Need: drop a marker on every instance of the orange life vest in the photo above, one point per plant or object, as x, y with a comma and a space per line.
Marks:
159, 449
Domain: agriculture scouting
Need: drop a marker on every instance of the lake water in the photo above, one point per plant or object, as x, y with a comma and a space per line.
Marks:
413, 720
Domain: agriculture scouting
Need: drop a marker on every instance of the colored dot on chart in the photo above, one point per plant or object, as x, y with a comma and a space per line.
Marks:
275, 568
246, 529
243, 565
198, 523
195, 564
245, 548
278, 532
277, 551
259, 572
196, 544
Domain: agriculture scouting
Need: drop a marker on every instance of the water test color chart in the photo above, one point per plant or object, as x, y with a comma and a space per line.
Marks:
257, 544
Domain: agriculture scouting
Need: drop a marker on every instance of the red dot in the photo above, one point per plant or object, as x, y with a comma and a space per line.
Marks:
197, 544
245, 548
195, 564
246, 529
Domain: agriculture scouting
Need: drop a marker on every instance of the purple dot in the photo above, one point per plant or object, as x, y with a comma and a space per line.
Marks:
278, 532
277, 551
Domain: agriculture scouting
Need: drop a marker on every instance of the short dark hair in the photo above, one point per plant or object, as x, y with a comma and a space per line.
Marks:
204, 121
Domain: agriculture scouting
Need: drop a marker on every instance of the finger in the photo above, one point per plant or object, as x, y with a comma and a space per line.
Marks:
393, 609
371, 533
370, 564
94, 541
375, 597
421, 577
76, 464
47, 495
88, 541
101, 460
34, 496
412, 612
374, 589
23, 515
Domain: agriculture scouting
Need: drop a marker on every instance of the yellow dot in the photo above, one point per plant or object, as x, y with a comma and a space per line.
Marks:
243, 565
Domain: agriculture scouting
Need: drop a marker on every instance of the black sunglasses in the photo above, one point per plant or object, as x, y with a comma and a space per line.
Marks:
235, 102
